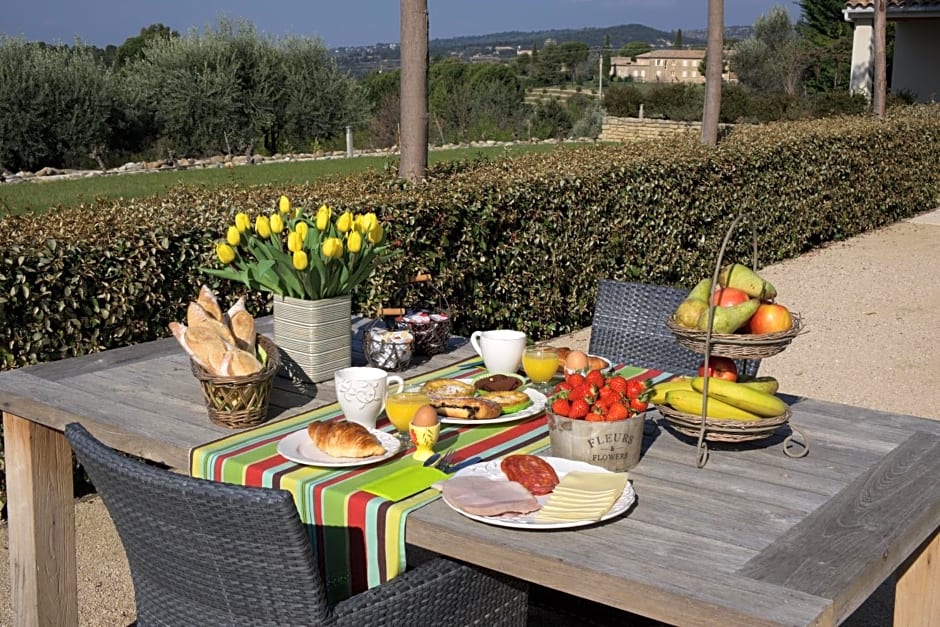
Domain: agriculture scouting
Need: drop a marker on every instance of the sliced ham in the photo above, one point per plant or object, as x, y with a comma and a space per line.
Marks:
487, 497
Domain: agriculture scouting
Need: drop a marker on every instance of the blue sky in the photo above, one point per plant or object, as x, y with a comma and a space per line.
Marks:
355, 22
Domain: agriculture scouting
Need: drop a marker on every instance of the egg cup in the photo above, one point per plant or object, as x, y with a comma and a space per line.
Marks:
424, 438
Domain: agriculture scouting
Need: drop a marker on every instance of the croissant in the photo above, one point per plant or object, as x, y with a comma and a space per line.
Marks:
344, 439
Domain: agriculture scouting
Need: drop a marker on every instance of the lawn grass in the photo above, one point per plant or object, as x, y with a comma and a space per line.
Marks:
38, 197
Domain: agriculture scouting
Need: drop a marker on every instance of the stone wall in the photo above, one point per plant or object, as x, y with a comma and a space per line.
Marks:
632, 129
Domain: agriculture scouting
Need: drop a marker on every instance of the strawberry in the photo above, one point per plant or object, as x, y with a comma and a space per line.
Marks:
617, 411
638, 406
579, 408
561, 406
594, 417
595, 377
635, 388
563, 386
617, 382
575, 379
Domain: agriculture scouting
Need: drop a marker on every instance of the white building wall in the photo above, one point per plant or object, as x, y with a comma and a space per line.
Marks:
916, 59
863, 55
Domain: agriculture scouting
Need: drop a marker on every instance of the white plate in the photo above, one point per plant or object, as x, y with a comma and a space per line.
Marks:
562, 467
299, 448
538, 404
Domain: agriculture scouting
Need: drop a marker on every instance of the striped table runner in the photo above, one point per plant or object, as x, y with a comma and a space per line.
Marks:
359, 538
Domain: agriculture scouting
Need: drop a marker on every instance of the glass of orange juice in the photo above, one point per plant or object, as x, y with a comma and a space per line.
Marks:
400, 407
540, 364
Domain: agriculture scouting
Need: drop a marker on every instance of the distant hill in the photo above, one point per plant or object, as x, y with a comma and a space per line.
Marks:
359, 60
593, 37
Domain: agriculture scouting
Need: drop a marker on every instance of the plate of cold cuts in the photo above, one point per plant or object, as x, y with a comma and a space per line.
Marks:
590, 494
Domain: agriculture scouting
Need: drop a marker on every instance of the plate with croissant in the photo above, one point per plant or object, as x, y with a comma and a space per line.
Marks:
337, 444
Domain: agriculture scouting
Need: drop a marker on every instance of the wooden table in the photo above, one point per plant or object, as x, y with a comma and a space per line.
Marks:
753, 538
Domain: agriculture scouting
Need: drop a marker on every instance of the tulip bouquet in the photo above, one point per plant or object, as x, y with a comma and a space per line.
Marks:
289, 254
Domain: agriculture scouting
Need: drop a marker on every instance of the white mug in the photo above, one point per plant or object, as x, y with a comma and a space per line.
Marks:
361, 392
501, 349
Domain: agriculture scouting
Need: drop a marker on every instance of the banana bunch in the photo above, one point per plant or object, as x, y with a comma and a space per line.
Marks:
727, 400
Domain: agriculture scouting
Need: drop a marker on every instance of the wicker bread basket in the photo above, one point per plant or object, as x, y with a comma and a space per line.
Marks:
240, 402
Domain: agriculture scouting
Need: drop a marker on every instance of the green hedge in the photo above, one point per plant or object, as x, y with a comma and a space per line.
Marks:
518, 242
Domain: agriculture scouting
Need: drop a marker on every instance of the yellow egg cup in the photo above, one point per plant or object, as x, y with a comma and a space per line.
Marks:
424, 438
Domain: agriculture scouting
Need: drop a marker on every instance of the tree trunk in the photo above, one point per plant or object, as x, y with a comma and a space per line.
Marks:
715, 56
880, 87
414, 90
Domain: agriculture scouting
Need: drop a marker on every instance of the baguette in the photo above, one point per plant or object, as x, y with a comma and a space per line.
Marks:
344, 439
196, 313
206, 346
239, 363
243, 328
209, 302
467, 408
214, 326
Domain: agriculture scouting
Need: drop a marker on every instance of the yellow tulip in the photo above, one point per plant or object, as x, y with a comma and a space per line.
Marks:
333, 247
242, 222
354, 241
263, 227
300, 260
294, 243
225, 252
366, 222
301, 228
345, 222
324, 214
283, 204
377, 234
276, 222
233, 236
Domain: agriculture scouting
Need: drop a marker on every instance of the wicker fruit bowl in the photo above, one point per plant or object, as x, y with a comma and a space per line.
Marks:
736, 345
717, 430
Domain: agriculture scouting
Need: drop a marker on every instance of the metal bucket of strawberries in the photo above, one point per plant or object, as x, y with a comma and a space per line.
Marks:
598, 418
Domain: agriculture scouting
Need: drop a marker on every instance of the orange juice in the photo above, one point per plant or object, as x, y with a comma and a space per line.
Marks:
540, 363
401, 407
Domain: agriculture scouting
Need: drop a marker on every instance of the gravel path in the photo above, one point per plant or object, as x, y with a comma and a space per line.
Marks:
869, 306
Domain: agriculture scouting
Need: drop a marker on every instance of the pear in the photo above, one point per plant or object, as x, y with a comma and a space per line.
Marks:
701, 291
729, 319
689, 311
741, 277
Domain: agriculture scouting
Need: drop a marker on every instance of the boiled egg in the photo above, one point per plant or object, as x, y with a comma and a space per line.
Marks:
426, 416
576, 360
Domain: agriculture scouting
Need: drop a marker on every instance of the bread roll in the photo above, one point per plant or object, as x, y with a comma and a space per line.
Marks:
209, 302
344, 439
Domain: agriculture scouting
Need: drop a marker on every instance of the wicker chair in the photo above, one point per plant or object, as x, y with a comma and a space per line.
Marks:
206, 553
629, 326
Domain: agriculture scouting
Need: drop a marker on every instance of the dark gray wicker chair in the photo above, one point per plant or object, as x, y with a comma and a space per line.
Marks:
206, 553
629, 326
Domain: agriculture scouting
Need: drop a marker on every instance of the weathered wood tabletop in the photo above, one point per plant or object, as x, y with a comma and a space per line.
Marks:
752, 538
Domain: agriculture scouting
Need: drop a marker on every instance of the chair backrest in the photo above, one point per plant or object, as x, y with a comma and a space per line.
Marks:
205, 553
629, 325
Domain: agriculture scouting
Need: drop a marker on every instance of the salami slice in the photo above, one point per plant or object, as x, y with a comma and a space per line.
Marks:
536, 474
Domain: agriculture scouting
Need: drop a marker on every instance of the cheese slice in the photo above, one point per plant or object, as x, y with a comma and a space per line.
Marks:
582, 496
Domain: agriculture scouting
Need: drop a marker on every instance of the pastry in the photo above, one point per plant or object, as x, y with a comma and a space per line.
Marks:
447, 388
467, 408
498, 383
562, 356
510, 401
344, 439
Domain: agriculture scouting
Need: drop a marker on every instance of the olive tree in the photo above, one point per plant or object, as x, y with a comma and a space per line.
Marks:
55, 105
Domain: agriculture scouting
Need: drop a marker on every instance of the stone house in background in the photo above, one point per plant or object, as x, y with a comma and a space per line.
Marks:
916, 64
665, 66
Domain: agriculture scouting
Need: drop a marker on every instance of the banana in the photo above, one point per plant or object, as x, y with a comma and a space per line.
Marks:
764, 384
657, 393
742, 396
690, 402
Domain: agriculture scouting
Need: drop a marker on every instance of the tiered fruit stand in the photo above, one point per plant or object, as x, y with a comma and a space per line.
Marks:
734, 346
